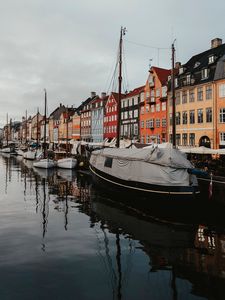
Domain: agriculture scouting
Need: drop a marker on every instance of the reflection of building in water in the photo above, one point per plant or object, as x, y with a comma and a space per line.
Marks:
208, 256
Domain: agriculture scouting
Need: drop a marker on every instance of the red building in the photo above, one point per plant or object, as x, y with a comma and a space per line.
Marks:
110, 116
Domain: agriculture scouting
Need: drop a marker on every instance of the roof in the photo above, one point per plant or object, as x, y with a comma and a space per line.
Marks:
198, 62
135, 92
162, 74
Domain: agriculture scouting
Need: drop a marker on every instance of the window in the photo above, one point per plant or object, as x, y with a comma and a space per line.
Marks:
163, 123
208, 114
163, 106
222, 138
152, 108
184, 117
135, 113
192, 139
192, 116
178, 98
131, 101
205, 73
211, 59
197, 64
142, 124
151, 123
191, 96
135, 101
222, 90
135, 129
200, 94
147, 108
142, 110
200, 115
178, 118
164, 91
157, 107
108, 162
181, 70
222, 115
188, 79
157, 123
178, 139
184, 139
208, 92
184, 97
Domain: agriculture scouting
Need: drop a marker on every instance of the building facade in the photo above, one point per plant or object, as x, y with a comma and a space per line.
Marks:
197, 99
153, 108
130, 114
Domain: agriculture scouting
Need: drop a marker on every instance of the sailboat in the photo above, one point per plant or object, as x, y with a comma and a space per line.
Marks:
44, 162
67, 162
165, 172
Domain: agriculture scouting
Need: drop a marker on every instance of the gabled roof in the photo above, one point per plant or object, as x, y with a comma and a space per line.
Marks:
57, 112
162, 74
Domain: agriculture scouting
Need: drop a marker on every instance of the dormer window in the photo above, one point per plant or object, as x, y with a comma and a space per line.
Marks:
205, 73
197, 64
211, 59
181, 70
189, 79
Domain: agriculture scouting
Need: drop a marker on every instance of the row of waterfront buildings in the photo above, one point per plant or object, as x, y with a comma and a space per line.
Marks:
146, 111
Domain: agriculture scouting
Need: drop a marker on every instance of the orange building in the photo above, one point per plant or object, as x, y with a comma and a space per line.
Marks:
153, 109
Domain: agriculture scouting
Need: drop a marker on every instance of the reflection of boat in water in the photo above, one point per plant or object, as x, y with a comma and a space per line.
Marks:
44, 173
187, 252
67, 174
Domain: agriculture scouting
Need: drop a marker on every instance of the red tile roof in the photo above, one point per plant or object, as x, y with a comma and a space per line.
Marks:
162, 74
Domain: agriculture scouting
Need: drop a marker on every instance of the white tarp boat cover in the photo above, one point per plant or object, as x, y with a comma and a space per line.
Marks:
149, 165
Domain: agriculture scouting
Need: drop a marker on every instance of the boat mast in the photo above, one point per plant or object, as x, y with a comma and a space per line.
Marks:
37, 127
67, 129
7, 131
173, 98
122, 32
45, 123
26, 129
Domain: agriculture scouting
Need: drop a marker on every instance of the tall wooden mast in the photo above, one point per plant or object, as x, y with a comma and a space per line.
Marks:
7, 131
45, 123
122, 33
173, 98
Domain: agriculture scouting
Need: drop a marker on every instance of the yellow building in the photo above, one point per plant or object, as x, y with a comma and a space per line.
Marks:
196, 99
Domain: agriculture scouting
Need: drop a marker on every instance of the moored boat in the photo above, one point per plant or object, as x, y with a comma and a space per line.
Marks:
145, 171
44, 163
67, 163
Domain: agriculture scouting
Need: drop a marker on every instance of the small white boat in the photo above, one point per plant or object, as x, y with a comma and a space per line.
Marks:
44, 163
6, 150
67, 163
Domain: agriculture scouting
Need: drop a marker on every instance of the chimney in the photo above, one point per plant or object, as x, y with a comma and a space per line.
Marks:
216, 42
177, 65
93, 94
103, 95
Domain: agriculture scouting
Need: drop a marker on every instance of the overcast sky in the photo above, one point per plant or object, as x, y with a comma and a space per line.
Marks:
70, 47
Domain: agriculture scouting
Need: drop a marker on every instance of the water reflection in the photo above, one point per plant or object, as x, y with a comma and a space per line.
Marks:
137, 253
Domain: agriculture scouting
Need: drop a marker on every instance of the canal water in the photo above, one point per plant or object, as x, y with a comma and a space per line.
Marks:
62, 238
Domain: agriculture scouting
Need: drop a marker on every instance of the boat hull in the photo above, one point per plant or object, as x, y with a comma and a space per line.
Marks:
6, 150
140, 189
44, 164
67, 163
31, 155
